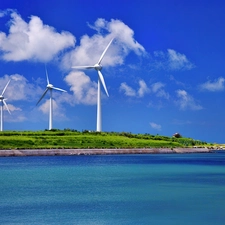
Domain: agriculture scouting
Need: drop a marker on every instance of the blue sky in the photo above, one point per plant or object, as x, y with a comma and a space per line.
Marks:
165, 70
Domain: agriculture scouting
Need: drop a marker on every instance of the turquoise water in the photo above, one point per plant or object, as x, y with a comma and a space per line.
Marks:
182, 189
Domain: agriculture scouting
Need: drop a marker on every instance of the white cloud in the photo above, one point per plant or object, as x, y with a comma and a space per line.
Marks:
178, 61
11, 116
57, 109
157, 88
91, 48
19, 88
122, 32
44, 107
13, 108
216, 85
16, 115
177, 82
143, 88
155, 126
181, 122
2, 14
172, 60
5, 12
84, 90
16, 119
32, 41
129, 91
186, 101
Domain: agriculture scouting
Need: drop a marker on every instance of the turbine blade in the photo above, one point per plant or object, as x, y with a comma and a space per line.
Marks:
103, 82
46, 75
58, 89
6, 106
82, 67
99, 61
42, 95
5, 87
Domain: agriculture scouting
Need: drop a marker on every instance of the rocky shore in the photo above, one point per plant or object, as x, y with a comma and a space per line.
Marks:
61, 152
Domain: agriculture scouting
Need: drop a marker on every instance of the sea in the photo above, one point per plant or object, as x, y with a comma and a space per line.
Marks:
152, 189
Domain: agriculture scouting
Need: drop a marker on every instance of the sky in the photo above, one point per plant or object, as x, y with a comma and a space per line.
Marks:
164, 71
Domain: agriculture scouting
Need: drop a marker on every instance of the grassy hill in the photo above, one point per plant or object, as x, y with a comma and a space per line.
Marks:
67, 138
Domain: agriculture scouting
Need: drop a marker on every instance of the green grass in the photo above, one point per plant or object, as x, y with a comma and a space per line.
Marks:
75, 139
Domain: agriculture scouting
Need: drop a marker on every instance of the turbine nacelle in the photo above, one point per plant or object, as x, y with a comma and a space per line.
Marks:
98, 67
50, 86
1, 97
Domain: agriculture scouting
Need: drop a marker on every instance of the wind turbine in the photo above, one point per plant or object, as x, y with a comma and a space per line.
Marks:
49, 87
3, 102
101, 80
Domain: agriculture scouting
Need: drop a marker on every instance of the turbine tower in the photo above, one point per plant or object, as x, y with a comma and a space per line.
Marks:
3, 102
49, 88
101, 80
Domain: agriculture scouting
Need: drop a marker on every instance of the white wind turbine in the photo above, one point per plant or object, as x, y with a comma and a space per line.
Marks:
2, 100
98, 67
49, 87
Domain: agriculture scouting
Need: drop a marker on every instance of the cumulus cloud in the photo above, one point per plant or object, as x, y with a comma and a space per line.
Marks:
172, 60
84, 90
216, 85
16, 114
16, 118
19, 88
2, 14
143, 89
129, 91
178, 61
182, 122
13, 108
91, 48
157, 88
122, 33
33, 40
57, 108
155, 126
186, 101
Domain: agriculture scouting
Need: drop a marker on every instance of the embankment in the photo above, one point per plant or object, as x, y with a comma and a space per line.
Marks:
61, 152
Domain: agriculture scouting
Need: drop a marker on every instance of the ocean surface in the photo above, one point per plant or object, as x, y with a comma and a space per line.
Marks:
170, 189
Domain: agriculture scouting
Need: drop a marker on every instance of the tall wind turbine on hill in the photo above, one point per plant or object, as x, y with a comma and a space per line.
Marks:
3, 103
101, 80
49, 88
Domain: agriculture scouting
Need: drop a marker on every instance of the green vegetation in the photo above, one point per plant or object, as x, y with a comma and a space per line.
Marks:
56, 139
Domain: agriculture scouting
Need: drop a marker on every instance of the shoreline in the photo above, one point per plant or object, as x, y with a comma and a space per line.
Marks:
77, 152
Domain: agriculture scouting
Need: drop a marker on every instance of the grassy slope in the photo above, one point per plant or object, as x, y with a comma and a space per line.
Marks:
85, 139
